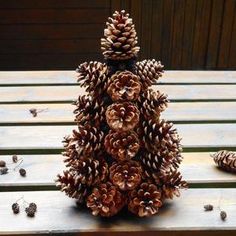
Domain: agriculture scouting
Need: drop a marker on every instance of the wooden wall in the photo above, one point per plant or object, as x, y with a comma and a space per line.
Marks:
59, 34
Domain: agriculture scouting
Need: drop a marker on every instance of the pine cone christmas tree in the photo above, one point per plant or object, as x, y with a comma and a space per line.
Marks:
122, 152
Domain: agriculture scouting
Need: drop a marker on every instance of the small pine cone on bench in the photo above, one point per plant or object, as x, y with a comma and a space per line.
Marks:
225, 160
122, 116
126, 175
124, 86
121, 145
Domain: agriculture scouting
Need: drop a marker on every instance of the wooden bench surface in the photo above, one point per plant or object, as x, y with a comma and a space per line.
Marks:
203, 107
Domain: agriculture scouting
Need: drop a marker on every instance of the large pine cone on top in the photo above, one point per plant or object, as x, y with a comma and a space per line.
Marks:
145, 200
120, 41
122, 145
126, 175
124, 86
122, 116
106, 200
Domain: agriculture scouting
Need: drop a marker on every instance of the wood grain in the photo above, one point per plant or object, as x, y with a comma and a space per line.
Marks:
187, 112
184, 214
69, 93
196, 168
11, 78
211, 136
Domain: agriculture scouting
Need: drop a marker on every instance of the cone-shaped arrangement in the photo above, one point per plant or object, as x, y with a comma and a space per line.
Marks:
122, 153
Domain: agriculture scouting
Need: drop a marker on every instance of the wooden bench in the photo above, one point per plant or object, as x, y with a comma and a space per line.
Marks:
203, 107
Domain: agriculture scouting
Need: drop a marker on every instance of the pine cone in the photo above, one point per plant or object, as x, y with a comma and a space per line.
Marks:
122, 116
122, 145
149, 72
225, 160
152, 103
106, 200
85, 141
124, 86
90, 111
159, 137
171, 182
156, 161
126, 175
145, 201
90, 171
93, 76
70, 184
120, 42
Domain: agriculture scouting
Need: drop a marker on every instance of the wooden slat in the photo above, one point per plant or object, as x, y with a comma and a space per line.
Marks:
196, 168
203, 136
182, 216
69, 93
69, 77
11, 114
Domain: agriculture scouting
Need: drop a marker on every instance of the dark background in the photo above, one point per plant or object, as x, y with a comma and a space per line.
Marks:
59, 34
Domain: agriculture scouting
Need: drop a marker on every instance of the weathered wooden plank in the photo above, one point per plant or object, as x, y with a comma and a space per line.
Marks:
12, 114
196, 168
12, 78
182, 216
69, 93
208, 136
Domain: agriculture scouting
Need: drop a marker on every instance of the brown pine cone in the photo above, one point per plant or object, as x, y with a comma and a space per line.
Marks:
70, 184
126, 175
105, 200
145, 200
122, 145
152, 103
171, 182
93, 76
90, 171
156, 161
122, 116
89, 111
159, 137
120, 41
85, 141
226, 160
124, 86
149, 72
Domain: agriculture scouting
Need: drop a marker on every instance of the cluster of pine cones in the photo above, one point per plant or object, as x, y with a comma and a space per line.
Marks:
122, 153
